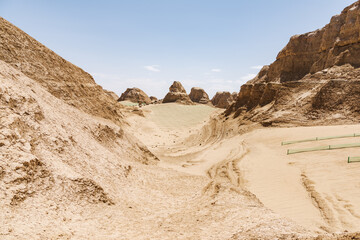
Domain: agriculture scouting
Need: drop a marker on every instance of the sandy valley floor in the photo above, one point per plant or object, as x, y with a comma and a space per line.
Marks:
318, 189
315, 190
66, 174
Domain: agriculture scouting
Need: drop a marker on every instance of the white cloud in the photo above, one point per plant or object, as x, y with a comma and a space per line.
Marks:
259, 67
216, 70
248, 77
152, 68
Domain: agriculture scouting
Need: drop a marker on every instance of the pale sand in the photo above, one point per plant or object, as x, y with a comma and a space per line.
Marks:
69, 175
185, 139
316, 189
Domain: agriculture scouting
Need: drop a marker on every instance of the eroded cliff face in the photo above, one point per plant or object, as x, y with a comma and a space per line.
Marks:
335, 44
61, 78
315, 78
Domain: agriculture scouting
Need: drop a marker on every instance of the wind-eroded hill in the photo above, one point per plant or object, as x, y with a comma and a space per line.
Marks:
61, 78
314, 80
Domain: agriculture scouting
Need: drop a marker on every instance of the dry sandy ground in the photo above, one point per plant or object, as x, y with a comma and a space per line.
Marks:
317, 190
65, 174
185, 139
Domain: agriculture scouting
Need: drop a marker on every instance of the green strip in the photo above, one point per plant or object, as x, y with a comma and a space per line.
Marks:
299, 141
320, 138
320, 148
353, 159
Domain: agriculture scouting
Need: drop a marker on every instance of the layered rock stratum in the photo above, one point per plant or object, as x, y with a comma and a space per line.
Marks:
135, 95
314, 80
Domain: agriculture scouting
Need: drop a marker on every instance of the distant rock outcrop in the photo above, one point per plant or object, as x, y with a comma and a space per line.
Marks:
177, 87
135, 95
155, 100
222, 99
314, 80
177, 94
199, 95
152, 98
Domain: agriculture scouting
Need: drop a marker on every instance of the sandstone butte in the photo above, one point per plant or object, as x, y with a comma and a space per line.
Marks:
222, 99
198, 95
177, 93
135, 95
314, 80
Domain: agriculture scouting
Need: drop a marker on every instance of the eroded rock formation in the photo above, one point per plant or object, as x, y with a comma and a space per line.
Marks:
335, 44
135, 95
222, 99
153, 99
177, 94
199, 95
315, 78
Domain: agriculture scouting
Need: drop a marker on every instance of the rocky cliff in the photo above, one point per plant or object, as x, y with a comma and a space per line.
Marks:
335, 44
314, 78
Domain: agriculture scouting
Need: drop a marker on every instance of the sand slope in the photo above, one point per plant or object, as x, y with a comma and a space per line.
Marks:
65, 174
317, 189
211, 150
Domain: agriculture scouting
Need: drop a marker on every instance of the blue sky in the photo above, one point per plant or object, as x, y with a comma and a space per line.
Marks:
213, 44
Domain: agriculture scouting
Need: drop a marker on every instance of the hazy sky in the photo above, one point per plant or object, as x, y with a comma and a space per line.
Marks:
214, 44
